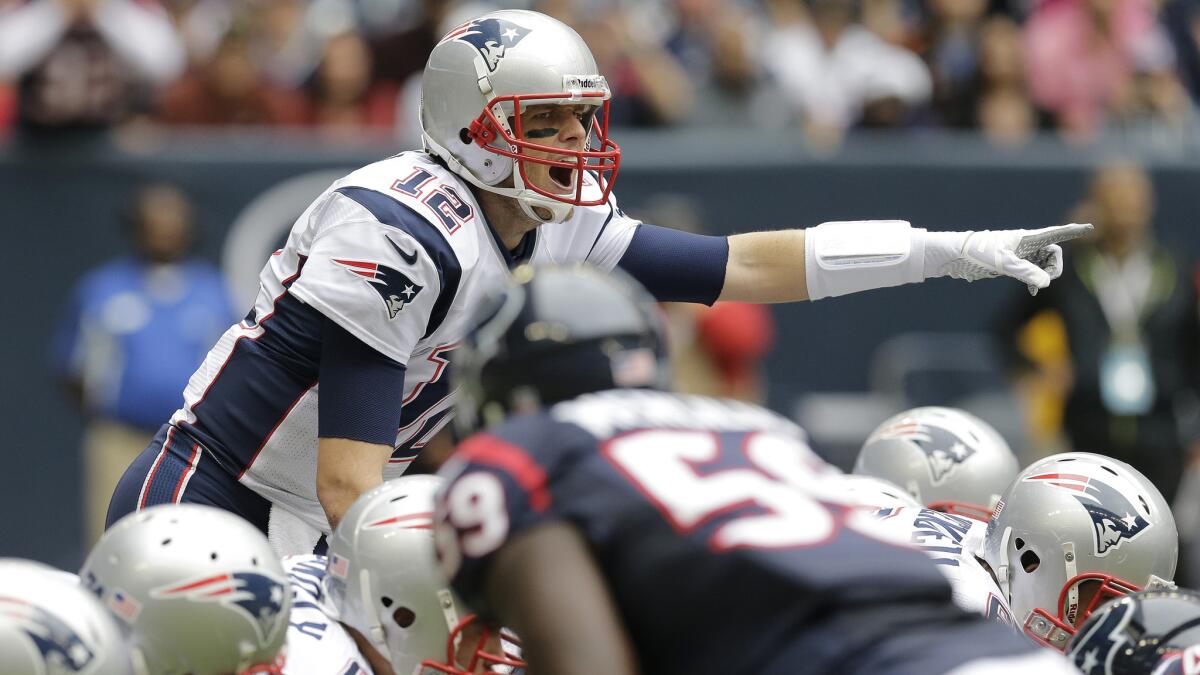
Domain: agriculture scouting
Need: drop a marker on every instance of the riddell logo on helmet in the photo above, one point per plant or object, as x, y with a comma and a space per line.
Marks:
492, 38
1115, 519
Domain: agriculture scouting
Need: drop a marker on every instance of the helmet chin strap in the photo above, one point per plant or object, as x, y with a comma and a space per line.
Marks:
375, 631
1003, 569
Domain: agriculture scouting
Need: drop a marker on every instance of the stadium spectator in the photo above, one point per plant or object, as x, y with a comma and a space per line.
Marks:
954, 36
836, 73
86, 63
134, 331
1002, 110
649, 85
1129, 312
230, 90
714, 42
342, 97
1082, 56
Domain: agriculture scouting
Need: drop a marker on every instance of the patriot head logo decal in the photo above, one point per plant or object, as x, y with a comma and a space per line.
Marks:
62, 649
944, 451
256, 596
1115, 519
491, 37
392, 285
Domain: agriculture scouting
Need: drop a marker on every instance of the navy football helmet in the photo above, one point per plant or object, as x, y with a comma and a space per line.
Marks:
553, 334
1155, 631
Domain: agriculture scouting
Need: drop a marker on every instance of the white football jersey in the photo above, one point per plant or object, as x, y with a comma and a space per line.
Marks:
397, 253
951, 542
316, 643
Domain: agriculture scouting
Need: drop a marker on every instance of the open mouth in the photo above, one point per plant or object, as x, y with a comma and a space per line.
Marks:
562, 177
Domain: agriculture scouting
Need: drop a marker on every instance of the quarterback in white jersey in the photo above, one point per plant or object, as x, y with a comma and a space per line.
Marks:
317, 644
951, 542
366, 301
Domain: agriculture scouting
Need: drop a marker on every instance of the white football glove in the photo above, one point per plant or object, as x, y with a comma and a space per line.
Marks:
1031, 256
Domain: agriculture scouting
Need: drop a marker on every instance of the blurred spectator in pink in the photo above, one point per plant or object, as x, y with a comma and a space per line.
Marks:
342, 97
1082, 56
229, 90
86, 63
837, 74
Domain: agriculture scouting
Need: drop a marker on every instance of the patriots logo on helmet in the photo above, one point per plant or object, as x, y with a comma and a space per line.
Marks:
62, 649
257, 596
1114, 519
491, 37
392, 285
943, 449
1093, 653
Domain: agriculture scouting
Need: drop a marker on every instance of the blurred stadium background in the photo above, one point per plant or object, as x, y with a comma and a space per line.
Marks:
733, 115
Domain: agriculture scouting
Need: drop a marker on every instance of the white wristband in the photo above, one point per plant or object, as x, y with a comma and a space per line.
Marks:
844, 257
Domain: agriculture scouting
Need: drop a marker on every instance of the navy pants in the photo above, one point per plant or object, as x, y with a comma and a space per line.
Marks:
176, 469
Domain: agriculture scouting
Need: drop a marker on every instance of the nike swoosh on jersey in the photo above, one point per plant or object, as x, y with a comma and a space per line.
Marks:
409, 258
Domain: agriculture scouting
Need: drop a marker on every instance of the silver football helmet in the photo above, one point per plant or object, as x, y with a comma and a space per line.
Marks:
383, 580
476, 83
872, 492
49, 623
1073, 531
198, 589
947, 459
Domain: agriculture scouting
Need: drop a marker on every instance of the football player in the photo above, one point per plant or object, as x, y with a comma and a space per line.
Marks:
623, 530
947, 459
50, 624
1073, 531
1153, 632
197, 589
378, 602
368, 298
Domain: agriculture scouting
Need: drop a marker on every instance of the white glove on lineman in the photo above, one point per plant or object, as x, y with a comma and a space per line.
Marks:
851, 256
1032, 256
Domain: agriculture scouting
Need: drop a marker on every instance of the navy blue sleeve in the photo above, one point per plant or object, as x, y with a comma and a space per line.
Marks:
677, 266
361, 389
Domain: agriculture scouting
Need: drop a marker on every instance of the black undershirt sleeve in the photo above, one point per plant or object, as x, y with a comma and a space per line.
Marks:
677, 266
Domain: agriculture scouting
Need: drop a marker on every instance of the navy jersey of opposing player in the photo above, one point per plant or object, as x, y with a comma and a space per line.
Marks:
702, 516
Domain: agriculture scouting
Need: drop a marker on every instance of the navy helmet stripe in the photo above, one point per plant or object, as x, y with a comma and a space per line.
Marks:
392, 212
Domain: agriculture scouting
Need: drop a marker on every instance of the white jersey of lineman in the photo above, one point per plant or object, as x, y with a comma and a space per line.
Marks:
398, 254
951, 542
316, 643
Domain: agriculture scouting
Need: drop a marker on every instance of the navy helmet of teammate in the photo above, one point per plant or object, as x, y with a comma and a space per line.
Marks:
338, 377
197, 589
623, 530
1154, 632
49, 623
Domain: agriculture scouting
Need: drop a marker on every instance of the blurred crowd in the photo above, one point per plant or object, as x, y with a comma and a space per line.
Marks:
1084, 68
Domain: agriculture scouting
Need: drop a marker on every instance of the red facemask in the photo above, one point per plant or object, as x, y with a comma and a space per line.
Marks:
604, 163
1055, 631
481, 649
